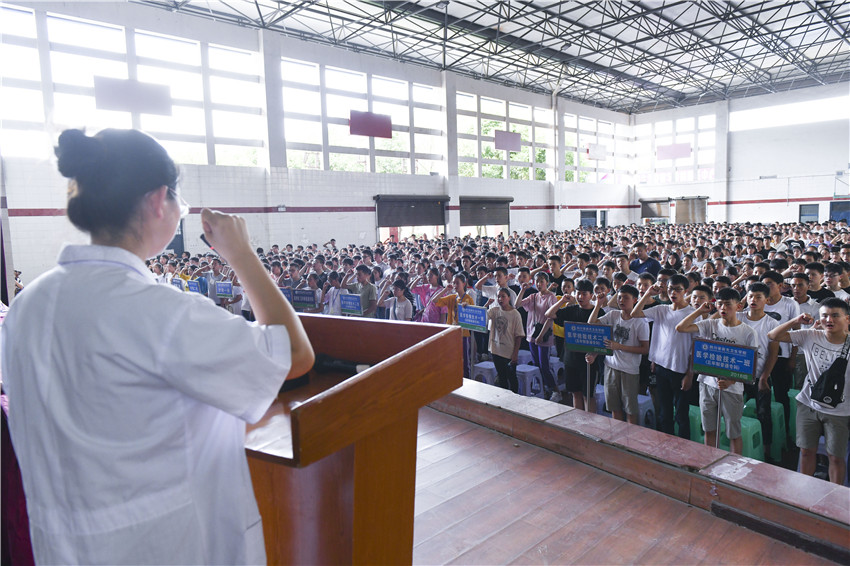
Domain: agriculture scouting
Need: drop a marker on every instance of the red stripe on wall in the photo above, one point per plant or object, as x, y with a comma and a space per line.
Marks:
772, 200
238, 209
534, 207
36, 212
600, 206
330, 209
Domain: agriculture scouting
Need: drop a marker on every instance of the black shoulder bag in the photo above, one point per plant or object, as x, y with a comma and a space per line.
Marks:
829, 388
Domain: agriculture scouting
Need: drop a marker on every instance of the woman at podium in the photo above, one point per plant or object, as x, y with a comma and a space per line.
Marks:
127, 399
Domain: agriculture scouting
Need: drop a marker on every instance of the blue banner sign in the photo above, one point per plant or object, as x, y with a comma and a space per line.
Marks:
350, 304
304, 299
224, 289
177, 282
193, 286
472, 318
585, 337
287, 292
725, 360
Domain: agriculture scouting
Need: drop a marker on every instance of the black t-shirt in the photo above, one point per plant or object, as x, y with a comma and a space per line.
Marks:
824, 293
560, 281
574, 313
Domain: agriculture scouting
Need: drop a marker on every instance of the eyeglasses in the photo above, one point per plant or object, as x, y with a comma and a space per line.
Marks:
181, 202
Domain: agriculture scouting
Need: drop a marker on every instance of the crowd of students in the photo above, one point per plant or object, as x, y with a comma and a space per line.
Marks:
781, 288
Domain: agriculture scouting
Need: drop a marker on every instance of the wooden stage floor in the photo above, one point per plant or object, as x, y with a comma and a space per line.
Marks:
486, 498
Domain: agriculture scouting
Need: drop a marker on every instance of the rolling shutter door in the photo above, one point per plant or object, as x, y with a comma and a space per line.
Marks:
485, 211
398, 210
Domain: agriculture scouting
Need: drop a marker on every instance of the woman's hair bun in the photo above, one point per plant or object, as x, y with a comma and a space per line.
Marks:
78, 153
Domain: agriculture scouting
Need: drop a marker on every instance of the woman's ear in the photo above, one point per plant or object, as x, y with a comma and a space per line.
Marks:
156, 202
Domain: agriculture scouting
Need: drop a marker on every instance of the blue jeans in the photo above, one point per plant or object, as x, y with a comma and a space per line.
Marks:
670, 396
540, 358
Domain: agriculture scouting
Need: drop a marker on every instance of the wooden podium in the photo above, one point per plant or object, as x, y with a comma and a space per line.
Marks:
334, 462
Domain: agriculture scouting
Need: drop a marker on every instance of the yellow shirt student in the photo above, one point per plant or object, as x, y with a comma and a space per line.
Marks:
451, 302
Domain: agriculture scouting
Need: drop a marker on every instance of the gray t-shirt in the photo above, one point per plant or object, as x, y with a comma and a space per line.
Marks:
367, 293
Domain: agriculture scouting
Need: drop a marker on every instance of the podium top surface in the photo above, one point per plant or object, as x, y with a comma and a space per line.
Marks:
413, 364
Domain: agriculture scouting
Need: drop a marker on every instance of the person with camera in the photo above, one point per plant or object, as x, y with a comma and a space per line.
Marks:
822, 405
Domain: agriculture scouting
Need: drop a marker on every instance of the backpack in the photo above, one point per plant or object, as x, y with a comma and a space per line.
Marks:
829, 388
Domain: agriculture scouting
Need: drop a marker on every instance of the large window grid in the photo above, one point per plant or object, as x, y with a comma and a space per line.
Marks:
478, 117
614, 164
218, 112
22, 113
318, 99
216, 91
698, 166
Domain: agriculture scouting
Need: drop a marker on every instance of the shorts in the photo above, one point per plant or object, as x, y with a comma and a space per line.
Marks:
732, 408
811, 424
576, 379
621, 391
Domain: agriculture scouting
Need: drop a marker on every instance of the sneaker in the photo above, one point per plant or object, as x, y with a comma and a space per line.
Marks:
556, 397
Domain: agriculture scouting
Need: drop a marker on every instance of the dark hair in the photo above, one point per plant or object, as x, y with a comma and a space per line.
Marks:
728, 294
604, 281
679, 280
773, 276
703, 289
110, 173
630, 290
584, 285
835, 268
815, 266
835, 303
759, 288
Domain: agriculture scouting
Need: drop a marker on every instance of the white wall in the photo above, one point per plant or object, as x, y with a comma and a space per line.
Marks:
803, 158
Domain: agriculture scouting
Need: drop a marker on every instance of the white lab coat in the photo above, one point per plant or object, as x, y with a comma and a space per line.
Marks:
127, 409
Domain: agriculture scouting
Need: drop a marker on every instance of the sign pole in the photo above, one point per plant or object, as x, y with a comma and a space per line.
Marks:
719, 416
589, 392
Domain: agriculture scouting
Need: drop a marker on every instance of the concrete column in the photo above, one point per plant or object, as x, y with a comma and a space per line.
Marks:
270, 52
452, 182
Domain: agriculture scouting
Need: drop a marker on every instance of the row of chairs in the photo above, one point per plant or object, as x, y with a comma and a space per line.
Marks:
530, 381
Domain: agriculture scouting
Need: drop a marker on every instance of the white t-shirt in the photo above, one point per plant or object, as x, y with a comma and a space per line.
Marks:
668, 348
820, 353
812, 307
628, 333
783, 311
237, 306
743, 335
398, 310
841, 294
762, 326
492, 292
332, 301
130, 432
